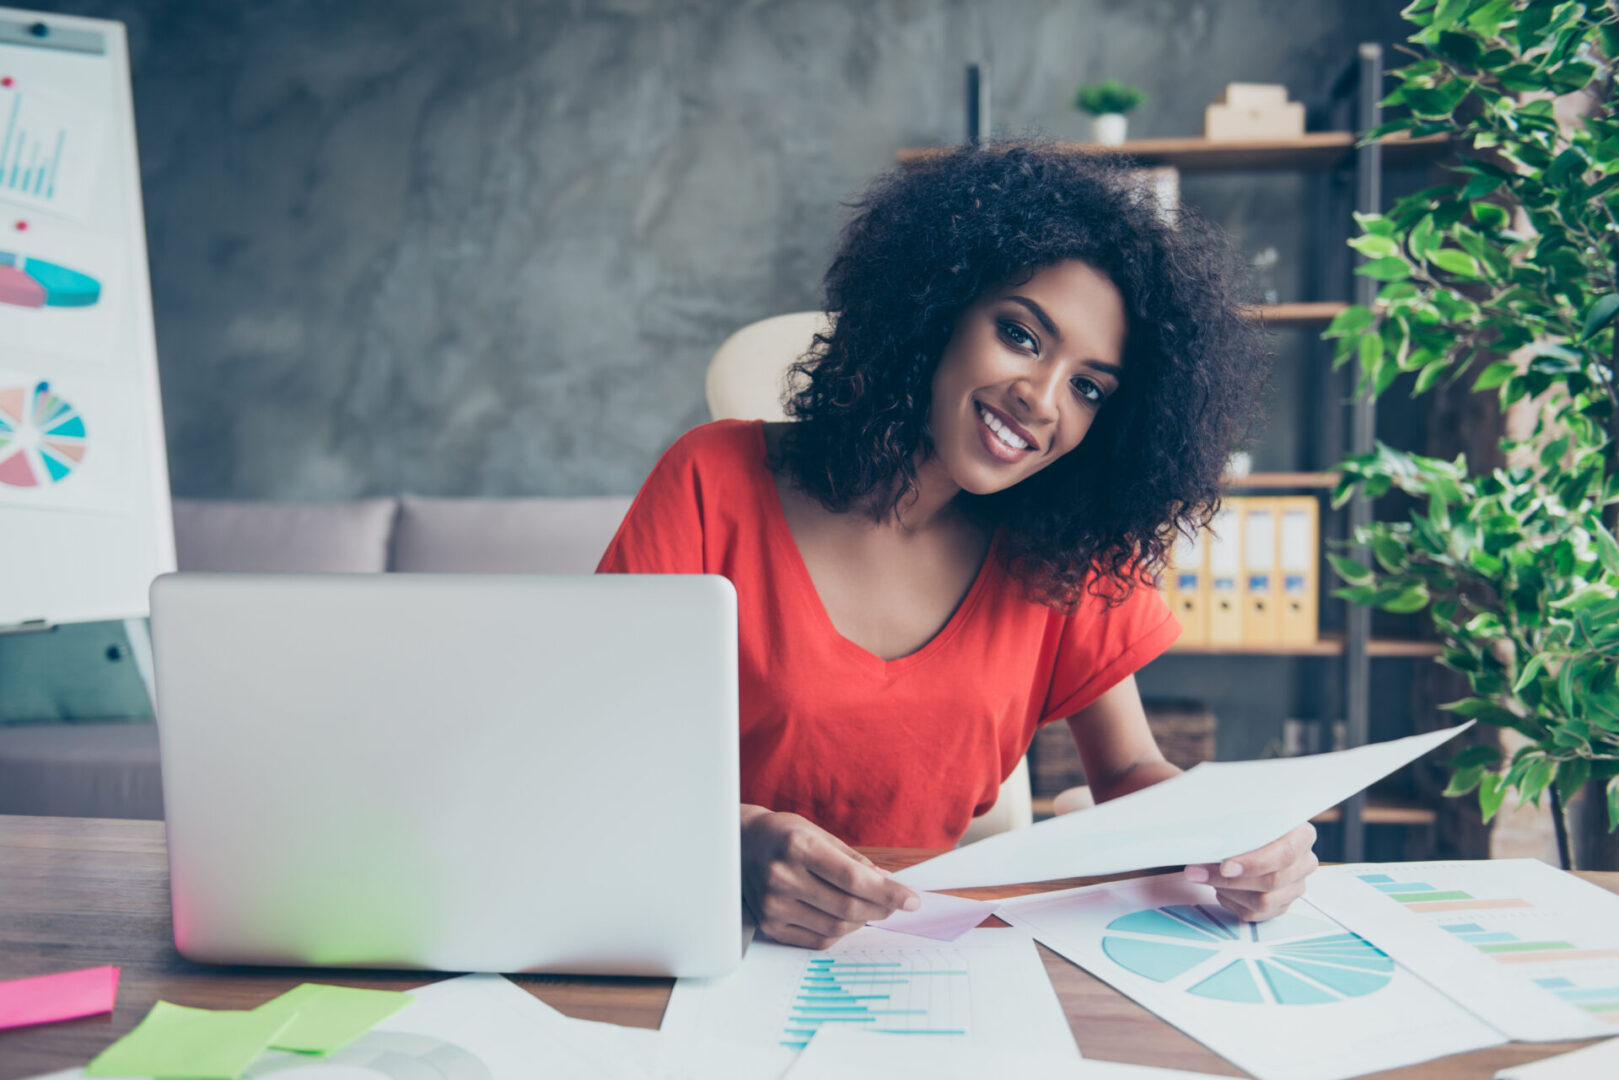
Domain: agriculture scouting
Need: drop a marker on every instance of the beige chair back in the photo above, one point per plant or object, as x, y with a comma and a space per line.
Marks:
747, 378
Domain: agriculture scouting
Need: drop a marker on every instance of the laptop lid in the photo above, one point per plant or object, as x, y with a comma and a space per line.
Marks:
453, 772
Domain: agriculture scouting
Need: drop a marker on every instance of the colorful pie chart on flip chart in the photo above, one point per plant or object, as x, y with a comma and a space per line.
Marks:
42, 437
34, 283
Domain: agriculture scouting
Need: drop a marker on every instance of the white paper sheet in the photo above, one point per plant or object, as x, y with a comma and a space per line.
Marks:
475, 1027
1208, 814
1532, 950
988, 988
1295, 998
663, 1055
1598, 1060
855, 1055
941, 917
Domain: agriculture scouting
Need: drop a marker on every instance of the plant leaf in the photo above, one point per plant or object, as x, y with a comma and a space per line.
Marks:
1571, 777
1600, 314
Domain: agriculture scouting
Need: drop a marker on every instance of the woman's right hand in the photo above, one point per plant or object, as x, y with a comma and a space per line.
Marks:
806, 887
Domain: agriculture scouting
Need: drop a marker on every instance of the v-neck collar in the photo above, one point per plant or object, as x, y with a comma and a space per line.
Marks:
780, 534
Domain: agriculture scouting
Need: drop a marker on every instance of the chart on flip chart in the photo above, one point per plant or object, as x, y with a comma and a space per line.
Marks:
1529, 948
84, 490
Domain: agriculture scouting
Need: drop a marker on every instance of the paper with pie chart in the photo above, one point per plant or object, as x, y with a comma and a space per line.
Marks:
61, 446
1296, 998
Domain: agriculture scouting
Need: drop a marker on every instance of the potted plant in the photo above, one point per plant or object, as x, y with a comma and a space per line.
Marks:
1510, 273
1107, 102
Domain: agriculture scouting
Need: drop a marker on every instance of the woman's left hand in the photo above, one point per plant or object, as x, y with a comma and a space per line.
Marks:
1262, 883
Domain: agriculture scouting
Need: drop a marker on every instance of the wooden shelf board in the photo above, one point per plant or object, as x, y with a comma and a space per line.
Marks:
1330, 644
1312, 150
1311, 314
1380, 810
1270, 481
1383, 810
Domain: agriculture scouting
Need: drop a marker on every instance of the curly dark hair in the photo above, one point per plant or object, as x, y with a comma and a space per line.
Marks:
931, 237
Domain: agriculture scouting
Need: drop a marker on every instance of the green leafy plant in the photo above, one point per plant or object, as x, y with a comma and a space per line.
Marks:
1511, 271
1110, 96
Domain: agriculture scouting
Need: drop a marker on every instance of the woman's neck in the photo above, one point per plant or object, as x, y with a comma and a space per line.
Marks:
931, 502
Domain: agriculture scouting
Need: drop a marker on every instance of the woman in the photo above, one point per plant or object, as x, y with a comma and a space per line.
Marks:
1032, 383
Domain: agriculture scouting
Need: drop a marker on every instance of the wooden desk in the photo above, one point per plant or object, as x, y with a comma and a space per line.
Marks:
80, 892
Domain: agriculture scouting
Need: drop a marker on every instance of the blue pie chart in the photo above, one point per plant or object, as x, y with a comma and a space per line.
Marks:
1209, 953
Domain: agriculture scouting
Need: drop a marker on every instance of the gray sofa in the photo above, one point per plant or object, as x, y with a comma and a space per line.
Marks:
85, 763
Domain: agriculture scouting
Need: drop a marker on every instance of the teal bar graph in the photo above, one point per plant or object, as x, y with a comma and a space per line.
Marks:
929, 995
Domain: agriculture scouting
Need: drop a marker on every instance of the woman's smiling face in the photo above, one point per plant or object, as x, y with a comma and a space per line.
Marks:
1025, 372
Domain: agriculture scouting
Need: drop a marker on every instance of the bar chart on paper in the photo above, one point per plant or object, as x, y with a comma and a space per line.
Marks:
987, 987
922, 992
1533, 950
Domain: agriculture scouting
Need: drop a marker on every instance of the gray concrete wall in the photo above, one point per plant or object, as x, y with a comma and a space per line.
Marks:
487, 247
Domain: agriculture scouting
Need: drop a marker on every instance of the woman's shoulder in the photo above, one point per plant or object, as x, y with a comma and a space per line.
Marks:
721, 450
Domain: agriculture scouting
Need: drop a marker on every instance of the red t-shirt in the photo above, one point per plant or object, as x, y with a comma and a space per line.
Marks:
878, 752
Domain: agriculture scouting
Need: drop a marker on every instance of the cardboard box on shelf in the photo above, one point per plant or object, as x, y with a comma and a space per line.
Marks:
1254, 111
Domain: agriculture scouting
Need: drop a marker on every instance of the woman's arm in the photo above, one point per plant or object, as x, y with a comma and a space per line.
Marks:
1121, 756
1116, 745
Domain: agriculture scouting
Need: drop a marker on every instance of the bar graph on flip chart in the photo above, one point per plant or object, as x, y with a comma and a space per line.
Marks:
49, 146
1533, 950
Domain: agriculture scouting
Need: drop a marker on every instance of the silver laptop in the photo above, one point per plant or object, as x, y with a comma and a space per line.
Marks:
452, 772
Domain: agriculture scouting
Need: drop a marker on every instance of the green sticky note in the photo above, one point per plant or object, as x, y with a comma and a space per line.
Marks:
189, 1044
327, 1018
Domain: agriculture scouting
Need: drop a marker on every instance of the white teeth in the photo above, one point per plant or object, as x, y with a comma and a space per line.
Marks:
1001, 431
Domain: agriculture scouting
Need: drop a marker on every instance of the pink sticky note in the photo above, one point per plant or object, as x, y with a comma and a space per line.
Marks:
47, 998
941, 917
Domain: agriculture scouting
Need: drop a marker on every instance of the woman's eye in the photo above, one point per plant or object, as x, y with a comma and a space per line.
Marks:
1089, 391
1017, 335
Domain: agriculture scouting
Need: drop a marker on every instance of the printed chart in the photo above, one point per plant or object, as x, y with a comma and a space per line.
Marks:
1531, 949
917, 994
42, 437
1298, 997
1293, 960
988, 987
50, 147
34, 283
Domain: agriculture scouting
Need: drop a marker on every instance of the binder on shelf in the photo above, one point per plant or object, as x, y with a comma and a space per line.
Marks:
1187, 588
1298, 568
1225, 574
1259, 585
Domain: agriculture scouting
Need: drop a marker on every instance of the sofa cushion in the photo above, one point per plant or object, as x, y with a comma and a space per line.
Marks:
218, 534
532, 535
81, 770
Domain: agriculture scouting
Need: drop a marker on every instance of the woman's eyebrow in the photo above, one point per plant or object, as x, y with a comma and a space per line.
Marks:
1039, 313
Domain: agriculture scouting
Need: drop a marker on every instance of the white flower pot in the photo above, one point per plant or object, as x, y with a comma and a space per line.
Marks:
1108, 129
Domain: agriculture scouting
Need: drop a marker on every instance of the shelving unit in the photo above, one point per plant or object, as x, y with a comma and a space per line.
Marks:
1328, 644
1316, 150
1357, 92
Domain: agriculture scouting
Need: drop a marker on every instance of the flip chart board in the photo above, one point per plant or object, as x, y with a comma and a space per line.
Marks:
85, 522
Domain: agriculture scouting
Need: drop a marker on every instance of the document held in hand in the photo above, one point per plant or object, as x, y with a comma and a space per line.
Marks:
1207, 814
